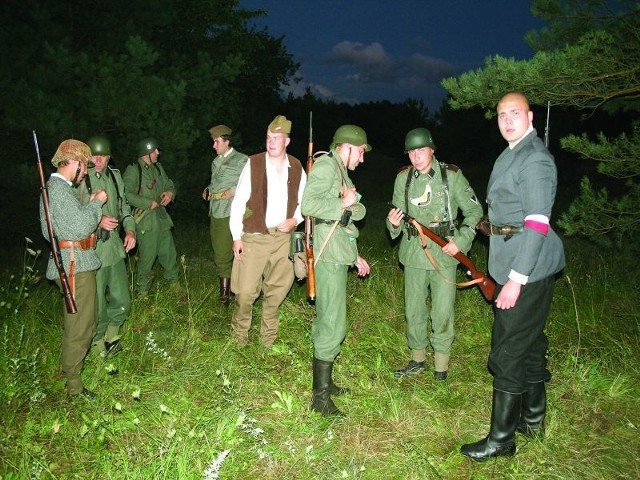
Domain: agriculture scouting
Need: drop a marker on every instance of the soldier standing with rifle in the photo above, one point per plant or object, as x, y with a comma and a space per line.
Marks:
114, 306
331, 198
73, 227
432, 193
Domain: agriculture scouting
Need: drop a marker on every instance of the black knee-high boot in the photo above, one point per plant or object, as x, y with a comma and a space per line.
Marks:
534, 409
501, 440
321, 401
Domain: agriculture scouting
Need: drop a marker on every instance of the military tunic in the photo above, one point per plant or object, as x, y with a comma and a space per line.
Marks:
112, 275
427, 201
153, 229
225, 172
322, 200
73, 221
523, 182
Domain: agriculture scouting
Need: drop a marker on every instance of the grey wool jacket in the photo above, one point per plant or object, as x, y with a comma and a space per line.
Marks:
71, 221
523, 182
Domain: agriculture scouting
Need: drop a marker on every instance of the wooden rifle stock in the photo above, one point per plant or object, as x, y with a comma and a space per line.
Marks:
53, 239
308, 227
485, 283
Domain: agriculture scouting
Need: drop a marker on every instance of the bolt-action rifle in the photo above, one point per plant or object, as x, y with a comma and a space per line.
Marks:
309, 227
485, 283
53, 239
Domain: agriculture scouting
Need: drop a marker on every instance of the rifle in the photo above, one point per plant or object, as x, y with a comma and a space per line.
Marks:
53, 239
546, 128
309, 227
486, 285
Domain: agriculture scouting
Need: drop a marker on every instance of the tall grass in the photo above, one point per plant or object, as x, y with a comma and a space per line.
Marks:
185, 403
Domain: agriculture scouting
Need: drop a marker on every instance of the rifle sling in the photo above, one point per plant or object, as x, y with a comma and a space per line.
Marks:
423, 241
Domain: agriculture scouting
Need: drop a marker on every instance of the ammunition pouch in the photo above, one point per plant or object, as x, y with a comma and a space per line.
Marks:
103, 235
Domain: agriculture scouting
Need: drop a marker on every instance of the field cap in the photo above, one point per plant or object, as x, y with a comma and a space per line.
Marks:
219, 130
280, 124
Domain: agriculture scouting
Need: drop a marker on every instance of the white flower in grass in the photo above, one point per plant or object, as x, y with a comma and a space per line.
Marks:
213, 470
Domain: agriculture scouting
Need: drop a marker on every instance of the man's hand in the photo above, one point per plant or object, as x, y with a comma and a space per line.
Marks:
129, 241
395, 216
288, 226
450, 248
349, 197
362, 267
509, 294
166, 198
108, 222
238, 249
100, 195
227, 194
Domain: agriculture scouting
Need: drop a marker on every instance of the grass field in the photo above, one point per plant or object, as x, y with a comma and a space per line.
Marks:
181, 402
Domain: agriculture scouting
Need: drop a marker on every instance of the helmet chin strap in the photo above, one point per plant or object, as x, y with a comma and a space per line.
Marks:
77, 175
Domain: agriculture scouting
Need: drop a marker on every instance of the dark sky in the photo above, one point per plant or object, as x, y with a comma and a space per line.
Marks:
364, 50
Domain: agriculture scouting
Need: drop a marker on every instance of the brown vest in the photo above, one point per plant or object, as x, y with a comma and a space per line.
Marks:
257, 203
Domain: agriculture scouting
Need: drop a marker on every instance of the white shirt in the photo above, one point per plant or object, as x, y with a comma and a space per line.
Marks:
276, 211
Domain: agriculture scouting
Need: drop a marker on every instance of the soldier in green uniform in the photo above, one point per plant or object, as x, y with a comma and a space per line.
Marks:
225, 172
74, 224
111, 277
432, 192
332, 199
149, 190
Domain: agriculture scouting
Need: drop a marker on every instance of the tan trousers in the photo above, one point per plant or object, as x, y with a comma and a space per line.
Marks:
265, 267
79, 329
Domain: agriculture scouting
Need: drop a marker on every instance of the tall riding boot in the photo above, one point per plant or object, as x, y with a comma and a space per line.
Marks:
534, 409
501, 440
321, 401
225, 290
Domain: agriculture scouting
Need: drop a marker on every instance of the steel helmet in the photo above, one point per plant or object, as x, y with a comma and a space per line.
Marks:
351, 134
418, 138
147, 146
99, 146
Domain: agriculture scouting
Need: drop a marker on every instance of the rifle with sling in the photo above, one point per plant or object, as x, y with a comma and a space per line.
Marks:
53, 239
309, 227
486, 285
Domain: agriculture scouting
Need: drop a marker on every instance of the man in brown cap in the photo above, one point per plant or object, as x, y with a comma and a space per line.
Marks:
74, 224
225, 171
264, 212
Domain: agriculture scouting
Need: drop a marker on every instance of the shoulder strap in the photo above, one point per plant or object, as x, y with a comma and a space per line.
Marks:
445, 188
410, 174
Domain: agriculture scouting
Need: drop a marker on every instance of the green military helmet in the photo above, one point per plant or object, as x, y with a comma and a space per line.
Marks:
351, 134
418, 138
147, 146
99, 145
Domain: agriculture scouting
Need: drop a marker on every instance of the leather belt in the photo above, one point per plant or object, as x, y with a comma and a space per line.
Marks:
88, 243
507, 230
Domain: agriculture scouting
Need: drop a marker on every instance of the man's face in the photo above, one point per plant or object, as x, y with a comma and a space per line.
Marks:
421, 159
153, 156
100, 162
355, 158
277, 144
514, 117
220, 145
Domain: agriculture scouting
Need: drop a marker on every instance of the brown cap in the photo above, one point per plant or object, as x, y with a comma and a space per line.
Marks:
72, 150
280, 124
219, 130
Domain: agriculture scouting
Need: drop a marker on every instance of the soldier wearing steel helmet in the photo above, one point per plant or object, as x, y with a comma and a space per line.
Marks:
432, 192
74, 224
149, 190
111, 277
331, 197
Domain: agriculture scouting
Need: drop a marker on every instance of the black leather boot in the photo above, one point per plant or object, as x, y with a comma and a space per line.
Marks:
321, 401
225, 290
501, 441
533, 411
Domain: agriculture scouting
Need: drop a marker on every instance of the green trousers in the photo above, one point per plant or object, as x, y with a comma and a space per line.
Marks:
222, 244
113, 297
417, 284
329, 328
78, 330
152, 245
